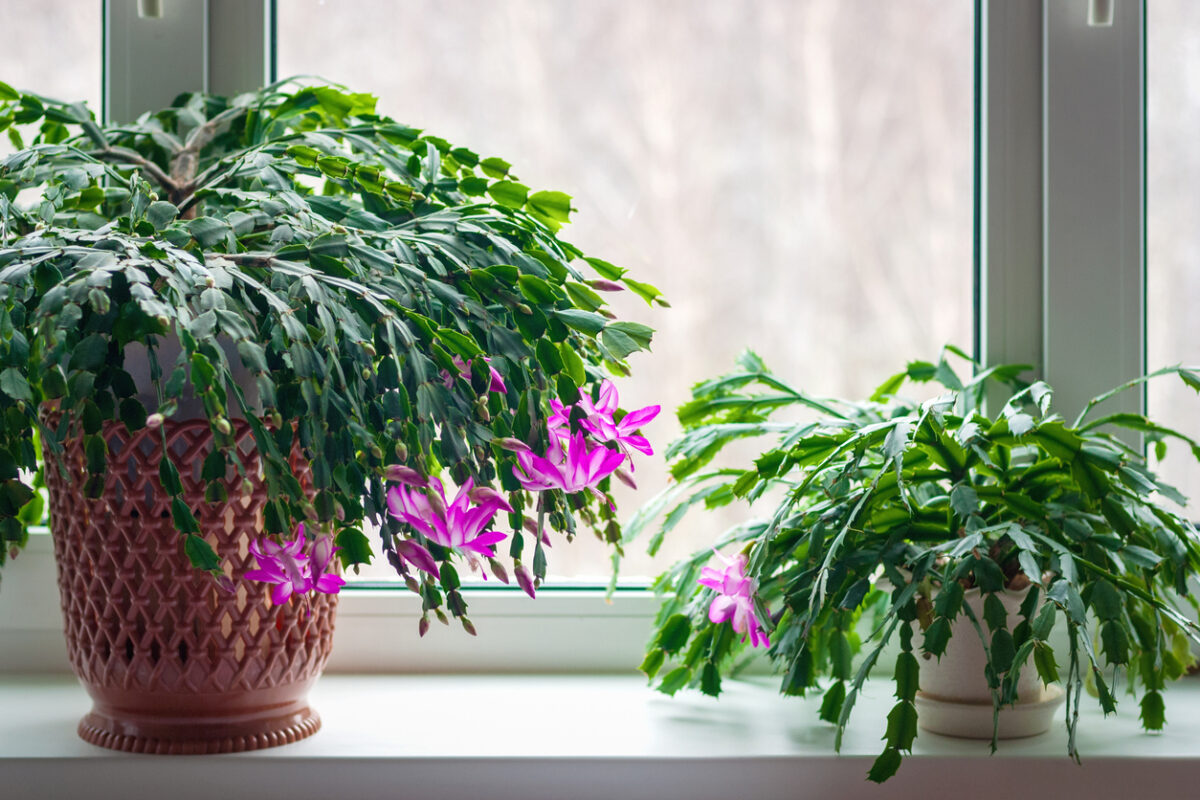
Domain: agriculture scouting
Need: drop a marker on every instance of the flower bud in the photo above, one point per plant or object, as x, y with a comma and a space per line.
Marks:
524, 309
486, 494
412, 584
163, 320
154, 421
401, 451
247, 486
467, 626
376, 452
366, 374
604, 312
276, 419
524, 579
481, 410
511, 445
625, 478
423, 625
14, 551
222, 425
418, 556
369, 349
530, 524
602, 285
21, 406
498, 570
441, 615
398, 473
436, 502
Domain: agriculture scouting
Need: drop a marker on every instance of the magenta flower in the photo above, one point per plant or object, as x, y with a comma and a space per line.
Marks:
580, 466
457, 524
322, 580
464, 372
734, 601
283, 565
293, 572
600, 420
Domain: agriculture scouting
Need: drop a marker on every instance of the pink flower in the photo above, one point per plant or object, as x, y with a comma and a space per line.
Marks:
464, 372
734, 600
293, 572
283, 565
457, 524
600, 419
322, 580
578, 467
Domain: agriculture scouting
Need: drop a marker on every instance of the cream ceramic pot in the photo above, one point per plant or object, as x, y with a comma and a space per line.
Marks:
954, 699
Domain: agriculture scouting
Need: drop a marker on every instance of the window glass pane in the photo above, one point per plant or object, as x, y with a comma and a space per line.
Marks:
53, 49
795, 175
1172, 209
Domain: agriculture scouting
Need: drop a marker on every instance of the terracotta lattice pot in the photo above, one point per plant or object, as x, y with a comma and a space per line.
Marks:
173, 663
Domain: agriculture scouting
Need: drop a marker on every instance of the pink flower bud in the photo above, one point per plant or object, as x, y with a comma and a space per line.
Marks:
399, 473
413, 585
468, 627
525, 579
486, 494
225, 584
530, 525
418, 556
512, 445
602, 285
423, 625
154, 421
441, 615
625, 478
498, 570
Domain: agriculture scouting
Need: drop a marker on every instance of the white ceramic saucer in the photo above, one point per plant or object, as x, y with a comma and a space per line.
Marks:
974, 721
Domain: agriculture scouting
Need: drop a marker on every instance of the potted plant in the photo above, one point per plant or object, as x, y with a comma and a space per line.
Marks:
950, 534
235, 332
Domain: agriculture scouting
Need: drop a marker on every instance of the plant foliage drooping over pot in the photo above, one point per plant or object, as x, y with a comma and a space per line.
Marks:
893, 509
404, 307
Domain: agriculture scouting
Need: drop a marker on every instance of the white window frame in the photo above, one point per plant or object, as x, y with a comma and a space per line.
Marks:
1060, 277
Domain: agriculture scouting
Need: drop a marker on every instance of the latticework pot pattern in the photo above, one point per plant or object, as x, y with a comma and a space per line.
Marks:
154, 639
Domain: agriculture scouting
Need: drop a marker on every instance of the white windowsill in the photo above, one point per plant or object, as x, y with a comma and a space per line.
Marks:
587, 737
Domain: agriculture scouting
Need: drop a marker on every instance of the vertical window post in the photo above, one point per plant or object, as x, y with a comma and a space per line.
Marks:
1061, 212
1094, 173
153, 51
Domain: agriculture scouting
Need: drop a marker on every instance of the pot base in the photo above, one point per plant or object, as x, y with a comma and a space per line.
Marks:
193, 737
974, 720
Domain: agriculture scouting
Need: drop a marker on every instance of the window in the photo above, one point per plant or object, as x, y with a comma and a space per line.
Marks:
797, 175
763, 163
1173, 206
57, 53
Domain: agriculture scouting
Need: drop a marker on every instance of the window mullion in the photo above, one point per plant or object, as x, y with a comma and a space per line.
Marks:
1009, 131
156, 51
1094, 189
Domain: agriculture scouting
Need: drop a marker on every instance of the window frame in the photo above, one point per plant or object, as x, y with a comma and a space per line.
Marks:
1055, 209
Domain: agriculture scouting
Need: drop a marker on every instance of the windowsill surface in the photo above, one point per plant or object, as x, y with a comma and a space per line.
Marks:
586, 736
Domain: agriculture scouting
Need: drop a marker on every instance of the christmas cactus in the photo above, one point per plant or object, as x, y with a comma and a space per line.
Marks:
400, 311
888, 511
